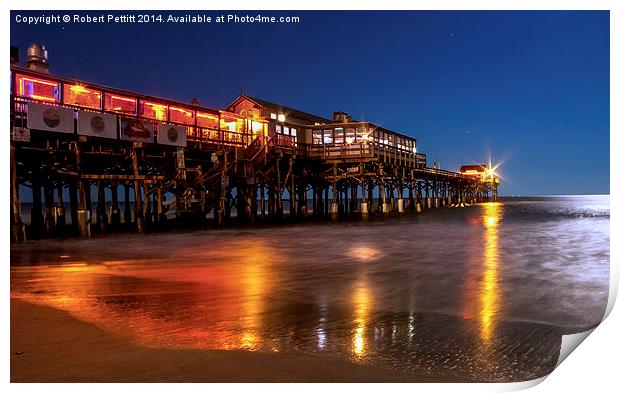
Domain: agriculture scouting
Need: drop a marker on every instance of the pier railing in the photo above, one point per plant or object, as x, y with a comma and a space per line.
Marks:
203, 126
283, 141
342, 151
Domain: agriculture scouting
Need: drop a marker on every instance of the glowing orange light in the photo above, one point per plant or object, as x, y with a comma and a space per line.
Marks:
158, 110
362, 300
206, 119
42, 98
81, 96
185, 112
118, 103
181, 115
80, 89
132, 100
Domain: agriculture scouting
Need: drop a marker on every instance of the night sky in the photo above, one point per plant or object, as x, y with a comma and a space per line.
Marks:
531, 88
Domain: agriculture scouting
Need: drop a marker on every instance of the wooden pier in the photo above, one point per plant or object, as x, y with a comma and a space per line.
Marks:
129, 162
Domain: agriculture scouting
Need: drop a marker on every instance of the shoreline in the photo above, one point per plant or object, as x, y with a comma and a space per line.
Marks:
49, 345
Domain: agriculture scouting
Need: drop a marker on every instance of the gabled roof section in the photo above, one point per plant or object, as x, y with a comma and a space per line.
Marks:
277, 108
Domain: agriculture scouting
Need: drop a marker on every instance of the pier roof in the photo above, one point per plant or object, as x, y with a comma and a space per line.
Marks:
281, 109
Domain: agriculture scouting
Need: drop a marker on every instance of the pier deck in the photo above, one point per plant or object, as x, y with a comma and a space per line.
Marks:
189, 163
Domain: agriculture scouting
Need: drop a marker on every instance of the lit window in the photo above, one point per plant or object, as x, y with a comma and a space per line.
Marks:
350, 135
273, 116
327, 138
231, 123
256, 126
278, 128
153, 110
229, 126
286, 130
79, 95
206, 120
281, 117
180, 115
339, 135
360, 134
293, 131
116, 103
317, 137
37, 89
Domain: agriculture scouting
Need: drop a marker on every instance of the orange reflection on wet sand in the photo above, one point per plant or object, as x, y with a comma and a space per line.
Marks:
89, 292
362, 298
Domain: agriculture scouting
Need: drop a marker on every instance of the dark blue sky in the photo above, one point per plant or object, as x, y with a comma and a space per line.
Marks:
529, 87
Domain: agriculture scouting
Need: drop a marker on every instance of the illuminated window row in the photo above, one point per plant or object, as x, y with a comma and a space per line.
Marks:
286, 130
340, 135
349, 135
78, 95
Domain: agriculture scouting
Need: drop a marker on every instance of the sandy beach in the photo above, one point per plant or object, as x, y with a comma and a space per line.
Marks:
48, 345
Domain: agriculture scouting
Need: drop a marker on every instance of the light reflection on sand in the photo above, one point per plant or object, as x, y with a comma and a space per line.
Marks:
482, 298
362, 298
241, 284
490, 291
344, 291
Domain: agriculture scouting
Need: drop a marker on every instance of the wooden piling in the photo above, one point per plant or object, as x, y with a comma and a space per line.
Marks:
83, 215
127, 203
364, 203
262, 200
102, 216
148, 218
36, 212
48, 195
116, 213
401, 201
73, 205
139, 214
18, 229
60, 219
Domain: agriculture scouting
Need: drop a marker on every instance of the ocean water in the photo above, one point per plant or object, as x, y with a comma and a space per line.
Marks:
480, 293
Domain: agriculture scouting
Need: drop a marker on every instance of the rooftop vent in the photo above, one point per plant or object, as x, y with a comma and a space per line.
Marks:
341, 117
36, 58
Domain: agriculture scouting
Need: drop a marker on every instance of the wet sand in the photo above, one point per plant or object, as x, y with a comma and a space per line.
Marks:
479, 294
48, 345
